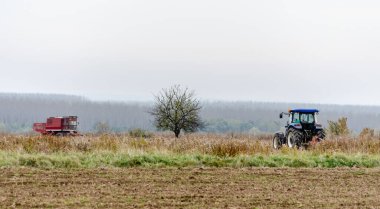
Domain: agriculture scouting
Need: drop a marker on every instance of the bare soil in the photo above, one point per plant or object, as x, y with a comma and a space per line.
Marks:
190, 188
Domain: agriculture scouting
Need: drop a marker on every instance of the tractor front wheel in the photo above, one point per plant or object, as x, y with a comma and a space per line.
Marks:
277, 143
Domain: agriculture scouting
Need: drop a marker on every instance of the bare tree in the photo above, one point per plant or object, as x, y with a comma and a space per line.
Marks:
176, 109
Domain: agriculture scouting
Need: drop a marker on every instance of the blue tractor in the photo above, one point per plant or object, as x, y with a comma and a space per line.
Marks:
301, 129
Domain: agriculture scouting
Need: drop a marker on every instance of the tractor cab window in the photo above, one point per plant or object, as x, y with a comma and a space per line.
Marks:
307, 118
316, 117
296, 117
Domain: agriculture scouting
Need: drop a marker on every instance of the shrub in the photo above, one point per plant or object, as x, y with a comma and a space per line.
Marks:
102, 128
339, 128
367, 133
140, 133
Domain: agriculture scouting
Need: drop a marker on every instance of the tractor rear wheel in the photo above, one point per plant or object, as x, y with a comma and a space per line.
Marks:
321, 135
294, 139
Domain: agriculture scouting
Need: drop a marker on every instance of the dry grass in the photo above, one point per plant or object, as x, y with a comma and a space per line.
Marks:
211, 144
189, 150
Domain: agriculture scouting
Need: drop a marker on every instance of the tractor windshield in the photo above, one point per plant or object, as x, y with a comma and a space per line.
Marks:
303, 118
307, 118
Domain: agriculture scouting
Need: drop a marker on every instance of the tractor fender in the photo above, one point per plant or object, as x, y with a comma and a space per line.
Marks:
292, 128
296, 126
280, 134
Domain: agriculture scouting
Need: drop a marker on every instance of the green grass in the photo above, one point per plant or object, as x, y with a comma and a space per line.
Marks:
120, 159
189, 151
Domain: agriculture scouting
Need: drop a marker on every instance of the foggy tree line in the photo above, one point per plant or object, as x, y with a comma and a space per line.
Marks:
19, 111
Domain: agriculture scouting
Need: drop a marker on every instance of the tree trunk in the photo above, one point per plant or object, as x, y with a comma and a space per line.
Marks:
177, 132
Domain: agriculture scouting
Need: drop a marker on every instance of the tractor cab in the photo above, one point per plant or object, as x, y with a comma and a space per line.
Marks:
306, 119
301, 127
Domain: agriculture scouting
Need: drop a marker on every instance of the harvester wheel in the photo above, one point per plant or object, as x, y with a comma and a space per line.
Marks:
277, 143
294, 139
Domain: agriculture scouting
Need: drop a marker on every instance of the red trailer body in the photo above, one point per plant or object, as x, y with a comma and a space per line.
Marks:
54, 124
40, 127
66, 125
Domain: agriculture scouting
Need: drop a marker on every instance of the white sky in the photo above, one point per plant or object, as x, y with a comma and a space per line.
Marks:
325, 51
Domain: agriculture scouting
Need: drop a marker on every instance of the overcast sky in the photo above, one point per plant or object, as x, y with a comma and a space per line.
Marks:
325, 51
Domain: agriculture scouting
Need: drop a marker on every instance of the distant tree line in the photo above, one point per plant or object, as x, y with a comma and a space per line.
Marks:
19, 111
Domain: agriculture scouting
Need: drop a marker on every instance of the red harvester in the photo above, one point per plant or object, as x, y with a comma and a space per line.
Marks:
58, 126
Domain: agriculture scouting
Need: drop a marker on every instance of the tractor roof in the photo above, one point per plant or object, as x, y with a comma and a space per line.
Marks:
304, 110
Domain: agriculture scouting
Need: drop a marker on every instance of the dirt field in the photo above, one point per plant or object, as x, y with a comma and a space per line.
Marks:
190, 188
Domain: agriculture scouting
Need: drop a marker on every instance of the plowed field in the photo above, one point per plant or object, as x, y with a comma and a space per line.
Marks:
190, 188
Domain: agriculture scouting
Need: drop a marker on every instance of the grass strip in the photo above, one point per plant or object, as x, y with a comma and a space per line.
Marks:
112, 159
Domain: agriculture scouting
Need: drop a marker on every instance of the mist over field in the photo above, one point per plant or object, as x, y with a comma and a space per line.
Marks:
277, 51
232, 54
19, 111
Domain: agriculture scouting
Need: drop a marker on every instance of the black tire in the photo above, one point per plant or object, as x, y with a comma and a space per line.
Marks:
321, 134
294, 138
277, 143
